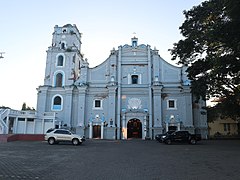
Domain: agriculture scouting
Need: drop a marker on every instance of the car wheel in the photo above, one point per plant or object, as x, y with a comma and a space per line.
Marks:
75, 142
193, 141
51, 141
168, 141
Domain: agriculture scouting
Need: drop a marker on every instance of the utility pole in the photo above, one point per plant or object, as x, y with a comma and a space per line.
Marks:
1, 55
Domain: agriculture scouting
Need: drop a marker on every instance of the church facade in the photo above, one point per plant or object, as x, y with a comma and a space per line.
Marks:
134, 93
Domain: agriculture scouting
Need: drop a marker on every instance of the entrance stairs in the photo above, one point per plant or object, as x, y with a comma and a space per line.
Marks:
3, 126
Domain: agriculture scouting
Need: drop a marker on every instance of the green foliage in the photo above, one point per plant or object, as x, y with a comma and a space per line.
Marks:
213, 113
4, 107
227, 107
26, 108
211, 49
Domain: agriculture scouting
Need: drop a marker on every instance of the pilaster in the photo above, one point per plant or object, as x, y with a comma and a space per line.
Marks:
68, 106
119, 91
112, 104
150, 92
25, 126
90, 129
124, 127
81, 105
157, 106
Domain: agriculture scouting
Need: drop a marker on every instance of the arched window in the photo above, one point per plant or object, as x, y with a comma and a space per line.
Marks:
59, 80
134, 79
57, 103
60, 60
64, 30
63, 46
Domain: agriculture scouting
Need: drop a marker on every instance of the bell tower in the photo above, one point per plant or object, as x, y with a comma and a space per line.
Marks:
63, 64
63, 57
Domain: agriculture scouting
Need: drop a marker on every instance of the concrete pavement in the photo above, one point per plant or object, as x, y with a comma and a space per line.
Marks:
113, 160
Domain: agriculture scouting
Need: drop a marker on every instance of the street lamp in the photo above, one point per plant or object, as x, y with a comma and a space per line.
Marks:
1, 55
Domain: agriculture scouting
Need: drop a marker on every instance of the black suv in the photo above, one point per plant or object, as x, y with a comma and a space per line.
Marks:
159, 137
182, 136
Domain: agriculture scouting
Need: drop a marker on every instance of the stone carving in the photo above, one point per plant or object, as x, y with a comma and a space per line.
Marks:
134, 103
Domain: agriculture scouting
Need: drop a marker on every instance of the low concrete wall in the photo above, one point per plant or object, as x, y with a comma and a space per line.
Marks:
4, 137
22, 137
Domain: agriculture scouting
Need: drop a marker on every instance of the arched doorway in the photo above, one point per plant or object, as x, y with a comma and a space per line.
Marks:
172, 128
134, 128
96, 131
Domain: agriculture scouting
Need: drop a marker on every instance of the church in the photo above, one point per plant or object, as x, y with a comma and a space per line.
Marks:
134, 93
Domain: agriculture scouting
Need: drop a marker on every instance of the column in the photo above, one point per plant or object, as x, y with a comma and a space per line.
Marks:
43, 124
119, 91
7, 123
90, 130
124, 129
102, 128
112, 104
34, 126
25, 126
188, 115
15, 125
178, 126
81, 106
166, 126
157, 106
53, 121
145, 127
150, 92
68, 106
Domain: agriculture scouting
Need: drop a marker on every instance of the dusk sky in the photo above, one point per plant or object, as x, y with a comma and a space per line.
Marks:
27, 27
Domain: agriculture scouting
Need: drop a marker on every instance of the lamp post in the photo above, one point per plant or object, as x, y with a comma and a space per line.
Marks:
1, 55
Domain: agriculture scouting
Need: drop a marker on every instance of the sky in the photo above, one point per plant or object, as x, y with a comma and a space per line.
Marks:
27, 27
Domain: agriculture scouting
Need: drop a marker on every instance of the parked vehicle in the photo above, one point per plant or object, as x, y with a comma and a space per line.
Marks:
159, 137
182, 136
63, 135
49, 130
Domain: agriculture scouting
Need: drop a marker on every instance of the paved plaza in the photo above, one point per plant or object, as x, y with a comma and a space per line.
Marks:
113, 160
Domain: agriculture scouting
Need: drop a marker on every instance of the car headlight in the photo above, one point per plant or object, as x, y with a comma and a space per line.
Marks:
163, 137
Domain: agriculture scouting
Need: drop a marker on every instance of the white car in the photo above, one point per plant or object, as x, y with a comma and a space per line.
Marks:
62, 135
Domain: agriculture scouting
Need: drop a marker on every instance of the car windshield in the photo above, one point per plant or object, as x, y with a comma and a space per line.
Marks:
49, 130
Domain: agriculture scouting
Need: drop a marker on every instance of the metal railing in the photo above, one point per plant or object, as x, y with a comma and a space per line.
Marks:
3, 126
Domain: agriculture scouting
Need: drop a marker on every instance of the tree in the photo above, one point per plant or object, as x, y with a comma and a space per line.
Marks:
26, 108
4, 107
211, 49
